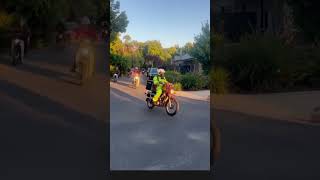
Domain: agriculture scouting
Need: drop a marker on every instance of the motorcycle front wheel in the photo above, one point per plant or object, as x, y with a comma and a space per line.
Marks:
172, 107
16, 57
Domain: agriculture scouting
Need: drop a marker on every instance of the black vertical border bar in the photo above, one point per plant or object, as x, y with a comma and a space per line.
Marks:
107, 170
213, 7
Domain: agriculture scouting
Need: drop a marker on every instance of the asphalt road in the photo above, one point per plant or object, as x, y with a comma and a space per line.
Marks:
50, 127
260, 148
143, 139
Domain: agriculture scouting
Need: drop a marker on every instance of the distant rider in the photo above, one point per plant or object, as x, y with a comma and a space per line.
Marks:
85, 35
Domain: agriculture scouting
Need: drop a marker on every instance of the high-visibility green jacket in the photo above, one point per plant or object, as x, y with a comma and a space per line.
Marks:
159, 82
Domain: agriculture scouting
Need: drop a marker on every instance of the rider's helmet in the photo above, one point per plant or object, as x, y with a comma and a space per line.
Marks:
161, 71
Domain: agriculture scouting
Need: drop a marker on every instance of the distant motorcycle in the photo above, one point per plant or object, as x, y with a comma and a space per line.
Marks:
136, 80
166, 100
84, 64
61, 39
115, 77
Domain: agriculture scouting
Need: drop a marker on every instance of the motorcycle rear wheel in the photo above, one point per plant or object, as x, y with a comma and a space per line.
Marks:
16, 57
150, 103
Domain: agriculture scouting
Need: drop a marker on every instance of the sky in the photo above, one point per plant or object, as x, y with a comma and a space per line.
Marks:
169, 21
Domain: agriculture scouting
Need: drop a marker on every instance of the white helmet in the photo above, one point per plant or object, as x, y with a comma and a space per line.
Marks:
161, 71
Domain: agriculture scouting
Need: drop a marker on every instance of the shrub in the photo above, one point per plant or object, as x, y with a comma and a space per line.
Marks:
254, 64
177, 86
306, 70
219, 80
173, 76
121, 62
6, 20
191, 81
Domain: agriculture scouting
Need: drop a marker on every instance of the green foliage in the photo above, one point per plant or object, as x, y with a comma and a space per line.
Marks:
191, 81
43, 15
173, 76
304, 69
177, 86
116, 46
112, 70
187, 48
264, 63
306, 15
120, 62
119, 20
201, 48
172, 51
6, 20
219, 80
254, 64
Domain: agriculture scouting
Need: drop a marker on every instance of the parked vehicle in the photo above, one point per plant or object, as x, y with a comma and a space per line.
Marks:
115, 77
152, 72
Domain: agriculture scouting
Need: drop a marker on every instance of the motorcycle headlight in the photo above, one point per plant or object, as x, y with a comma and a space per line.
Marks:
171, 91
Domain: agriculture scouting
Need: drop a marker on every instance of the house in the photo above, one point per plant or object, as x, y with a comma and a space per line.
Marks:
234, 18
185, 63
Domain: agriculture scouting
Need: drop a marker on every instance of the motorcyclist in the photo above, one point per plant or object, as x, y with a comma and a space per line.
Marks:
136, 71
159, 80
60, 28
117, 71
84, 35
22, 33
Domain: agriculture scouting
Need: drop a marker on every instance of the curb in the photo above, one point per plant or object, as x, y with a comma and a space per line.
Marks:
315, 115
301, 121
195, 97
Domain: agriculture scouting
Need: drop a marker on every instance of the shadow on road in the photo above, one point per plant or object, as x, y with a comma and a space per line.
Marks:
285, 150
44, 139
42, 71
124, 84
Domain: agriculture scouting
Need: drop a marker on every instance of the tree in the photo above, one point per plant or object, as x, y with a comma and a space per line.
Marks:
119, 20
172, 51
154, 48
43, 15
187, 48
201, 48
119, 61
127, 38
306, 15
116, 46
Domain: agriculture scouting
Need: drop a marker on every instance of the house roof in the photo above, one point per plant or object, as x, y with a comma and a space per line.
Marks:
182, 57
